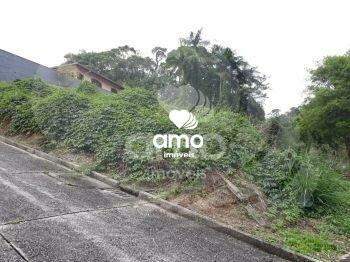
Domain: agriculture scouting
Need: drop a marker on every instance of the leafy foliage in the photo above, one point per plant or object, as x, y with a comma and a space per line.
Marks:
16, 102
311, 182
325, 119
307, 243
117, 129
238, 142
56, 113
35, 86
340, 223
119, 64
223, 76
87, 87
10, 98
23, 121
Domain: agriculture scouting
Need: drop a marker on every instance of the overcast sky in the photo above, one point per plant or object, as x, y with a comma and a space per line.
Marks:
282, 39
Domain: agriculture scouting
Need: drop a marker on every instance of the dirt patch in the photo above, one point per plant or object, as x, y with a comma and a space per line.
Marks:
220, 205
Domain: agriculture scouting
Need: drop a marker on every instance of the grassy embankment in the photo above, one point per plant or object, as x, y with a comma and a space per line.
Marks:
308, 199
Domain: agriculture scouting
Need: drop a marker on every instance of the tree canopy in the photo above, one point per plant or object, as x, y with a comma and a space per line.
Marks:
325, 119
218, 72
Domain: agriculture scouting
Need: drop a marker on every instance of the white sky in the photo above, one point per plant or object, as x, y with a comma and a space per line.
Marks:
281, 38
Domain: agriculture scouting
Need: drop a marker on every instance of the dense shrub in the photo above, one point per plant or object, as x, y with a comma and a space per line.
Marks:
273, 171
112, 122
321, 188
130, 127
56, 113
110, 152
36, 86
239, 140
10, 98
303, 179
105, 124
86, 130
138, 97
16, 102
23, 121
87, 87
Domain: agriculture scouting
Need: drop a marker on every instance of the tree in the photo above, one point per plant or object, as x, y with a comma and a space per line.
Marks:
240, 84
191, 64
325, 119
194, 40
122, 64
160, 54
224, 77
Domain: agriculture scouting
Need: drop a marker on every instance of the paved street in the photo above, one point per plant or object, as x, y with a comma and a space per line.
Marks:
52, 214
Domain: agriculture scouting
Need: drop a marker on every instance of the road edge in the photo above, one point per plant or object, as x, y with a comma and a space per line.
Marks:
171, 207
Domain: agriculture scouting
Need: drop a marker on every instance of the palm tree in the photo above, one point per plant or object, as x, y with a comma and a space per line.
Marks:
194, 40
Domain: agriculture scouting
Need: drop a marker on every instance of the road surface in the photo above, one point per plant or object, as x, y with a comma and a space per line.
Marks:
49, 213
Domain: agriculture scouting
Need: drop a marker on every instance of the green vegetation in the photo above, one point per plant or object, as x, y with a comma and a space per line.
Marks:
326, 118
304, 242
298, 159
218, 72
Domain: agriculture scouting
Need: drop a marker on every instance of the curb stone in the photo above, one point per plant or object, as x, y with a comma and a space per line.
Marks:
174, 208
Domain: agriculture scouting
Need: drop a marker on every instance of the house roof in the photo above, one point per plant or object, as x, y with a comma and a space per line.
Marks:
94, 73
13, 67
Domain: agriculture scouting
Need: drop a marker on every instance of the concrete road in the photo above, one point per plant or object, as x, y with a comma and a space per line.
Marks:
52, 214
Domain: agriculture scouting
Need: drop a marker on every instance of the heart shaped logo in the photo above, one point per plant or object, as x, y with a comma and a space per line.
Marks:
183, 119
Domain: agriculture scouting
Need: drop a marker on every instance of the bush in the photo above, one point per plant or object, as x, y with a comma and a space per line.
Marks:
16, 102
274, 171
103, 124
82, 119
109, 123
127, 126
85, 131
289, 178
87, 87
320, 188
23, 121
138, 97
56, 113
10, 98
239, 140
35, 86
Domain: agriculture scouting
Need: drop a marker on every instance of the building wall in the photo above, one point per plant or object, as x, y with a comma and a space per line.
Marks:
13, 67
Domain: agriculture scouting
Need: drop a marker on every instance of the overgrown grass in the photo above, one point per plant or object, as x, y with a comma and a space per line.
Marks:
321, 243
307, 243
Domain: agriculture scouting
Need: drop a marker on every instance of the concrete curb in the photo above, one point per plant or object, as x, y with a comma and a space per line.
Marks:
226, 229
174, 208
